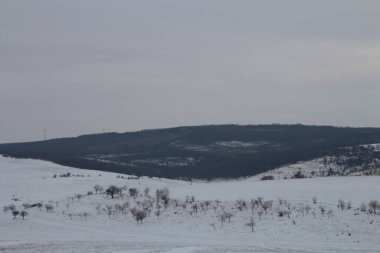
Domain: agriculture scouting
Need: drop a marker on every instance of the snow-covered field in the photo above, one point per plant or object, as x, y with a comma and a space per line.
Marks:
180, 229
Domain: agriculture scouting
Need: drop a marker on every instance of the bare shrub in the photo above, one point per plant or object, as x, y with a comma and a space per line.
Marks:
241, 204
78, 196
49, 207
228, 216
266, 205
341, 204
373, 205
98, 189
23, 213
158, 213
363, 207
307, 209
85, 215
251, 223
195, 207
323, 210
330, 213
146, 191
15, 213
133, 193
140, 216
9, 208
260, 213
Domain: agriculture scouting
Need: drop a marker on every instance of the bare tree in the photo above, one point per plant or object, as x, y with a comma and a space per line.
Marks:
98, 189
15, 213
147, 206
252, 205
330, 213
9, 208
133, 193
23, 213
195, 207
228, 216
314, 199
158, 213
260, 213
113, 190
363, 207
207, 203
373, 205
49, 207
266, 205
251, 223
146, 191
162, 194
85, 215
39, 205
241, 204
341, 204
140, 216
307, 209
78, 196
98, 208
222, 218
323, 210
109, 210
26, 205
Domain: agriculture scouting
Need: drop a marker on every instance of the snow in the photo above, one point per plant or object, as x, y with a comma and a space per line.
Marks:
178, 230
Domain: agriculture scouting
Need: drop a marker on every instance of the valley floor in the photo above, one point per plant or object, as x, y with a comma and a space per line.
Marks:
180, 229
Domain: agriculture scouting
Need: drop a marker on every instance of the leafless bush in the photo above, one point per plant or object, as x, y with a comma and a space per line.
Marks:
323, 210
251, 224
15, 213
363, 207
78, 196
266, 205
109, 210
140, 216
23, 213
146, 191
98, 188
195, 207
85, 215
49, 207
228, 216
241, 204
9, 208
222, 218
158, 213
147, 206
341, 204
133, 193
260, 213
27, 205
307, 209
373, 205
207, 203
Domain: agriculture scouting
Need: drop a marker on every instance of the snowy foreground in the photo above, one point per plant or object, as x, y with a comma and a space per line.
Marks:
183, 226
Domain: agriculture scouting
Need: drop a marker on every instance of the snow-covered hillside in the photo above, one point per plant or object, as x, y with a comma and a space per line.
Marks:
93, 222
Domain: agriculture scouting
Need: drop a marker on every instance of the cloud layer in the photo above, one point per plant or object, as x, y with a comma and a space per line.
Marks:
78, 67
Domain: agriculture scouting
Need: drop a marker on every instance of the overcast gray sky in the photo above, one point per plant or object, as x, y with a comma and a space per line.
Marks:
76, 67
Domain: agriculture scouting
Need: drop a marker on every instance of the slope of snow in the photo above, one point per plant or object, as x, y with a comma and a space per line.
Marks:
177, 229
